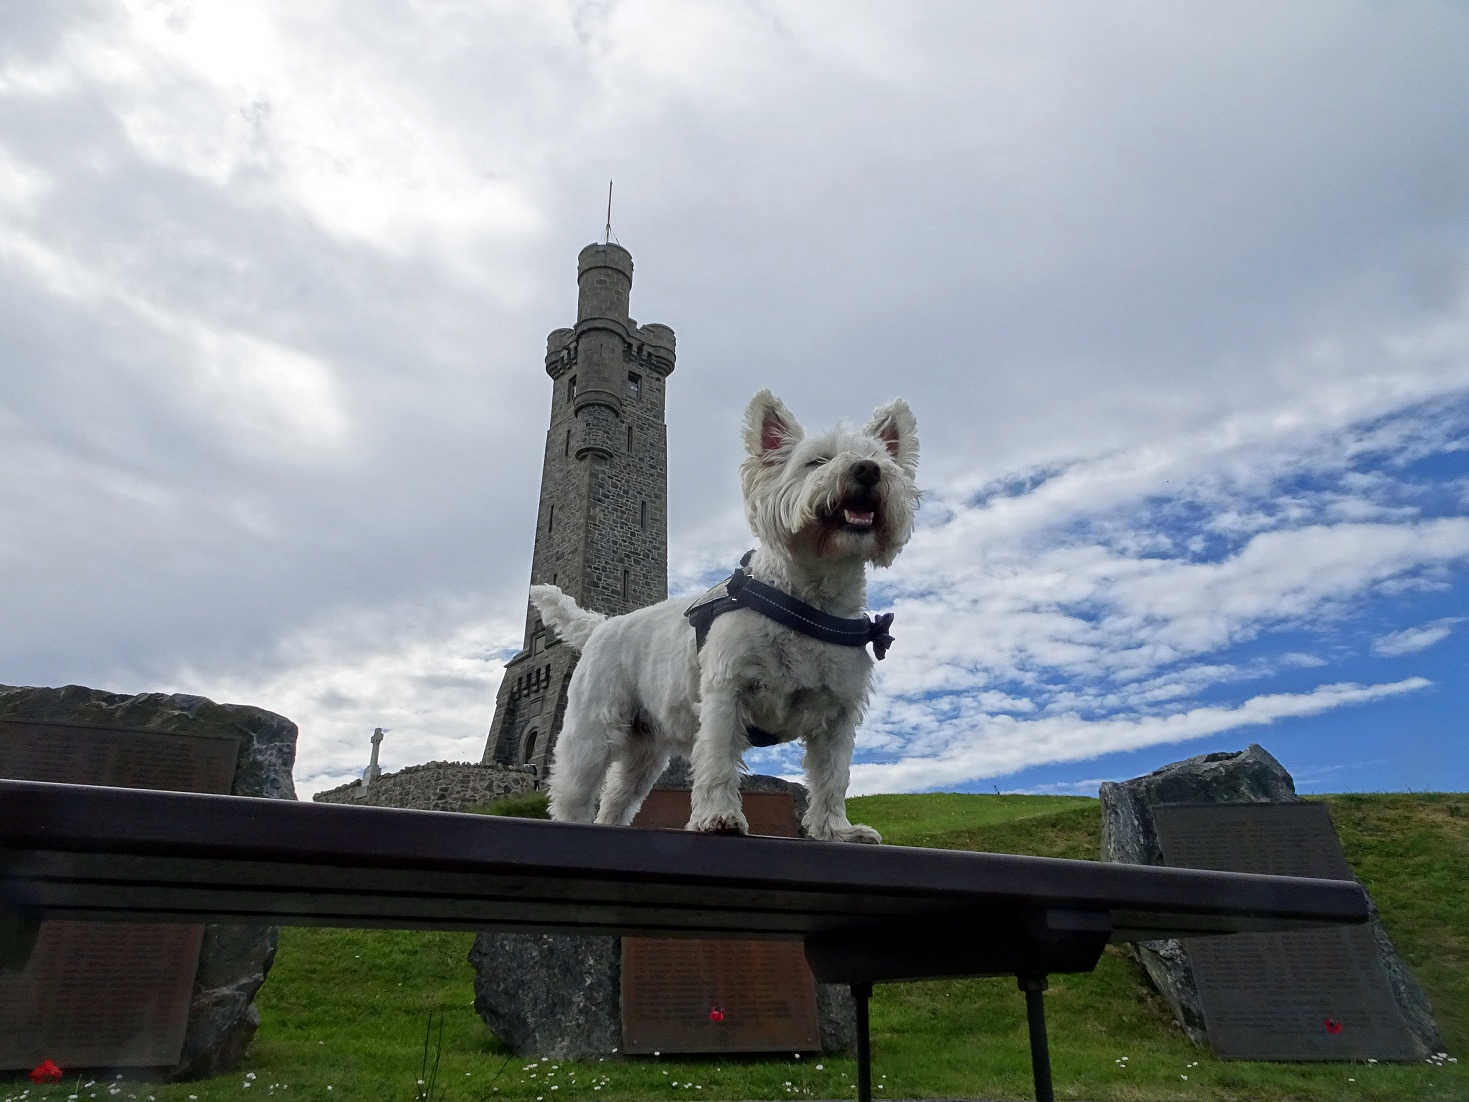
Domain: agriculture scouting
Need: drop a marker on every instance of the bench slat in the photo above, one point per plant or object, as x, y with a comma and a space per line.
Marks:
140, 855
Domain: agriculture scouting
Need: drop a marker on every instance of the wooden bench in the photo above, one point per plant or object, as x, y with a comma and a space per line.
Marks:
866, 914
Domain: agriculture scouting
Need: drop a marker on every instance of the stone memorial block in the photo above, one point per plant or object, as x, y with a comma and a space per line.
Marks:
718, 994
170, 997
564, 996
1305, 995
1131, 829
74, 753
99, 994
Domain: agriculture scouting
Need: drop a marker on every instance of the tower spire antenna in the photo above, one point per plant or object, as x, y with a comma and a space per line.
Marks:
607, 240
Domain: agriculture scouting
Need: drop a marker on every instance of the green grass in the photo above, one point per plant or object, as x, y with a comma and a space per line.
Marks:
528, 805
347, 1009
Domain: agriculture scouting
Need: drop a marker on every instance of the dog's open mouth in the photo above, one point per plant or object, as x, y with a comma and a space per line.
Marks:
856, 513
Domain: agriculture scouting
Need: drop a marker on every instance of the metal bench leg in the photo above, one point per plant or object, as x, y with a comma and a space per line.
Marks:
1040, 1053
861, 992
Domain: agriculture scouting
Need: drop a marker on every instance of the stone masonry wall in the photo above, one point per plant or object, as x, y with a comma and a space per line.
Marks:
627, 507
435, 786
604, 493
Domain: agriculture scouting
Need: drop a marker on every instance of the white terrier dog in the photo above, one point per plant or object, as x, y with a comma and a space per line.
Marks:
823, 507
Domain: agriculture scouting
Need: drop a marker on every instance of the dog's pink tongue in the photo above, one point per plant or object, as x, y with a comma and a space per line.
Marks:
861, 519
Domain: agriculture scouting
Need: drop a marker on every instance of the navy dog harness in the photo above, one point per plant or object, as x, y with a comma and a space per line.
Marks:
741, 590
744, 591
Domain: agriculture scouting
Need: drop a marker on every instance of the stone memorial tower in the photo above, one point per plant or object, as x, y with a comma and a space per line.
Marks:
602, 526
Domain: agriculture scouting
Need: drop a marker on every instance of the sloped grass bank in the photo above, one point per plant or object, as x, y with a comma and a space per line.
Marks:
344, 1011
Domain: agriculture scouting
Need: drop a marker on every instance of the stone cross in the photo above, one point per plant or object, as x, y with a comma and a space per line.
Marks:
372, 772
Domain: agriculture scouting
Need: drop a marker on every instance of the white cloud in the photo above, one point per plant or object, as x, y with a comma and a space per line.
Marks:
281, 276
1017, 610
974, 746
1413, 640
424, 672
1063, 788
1300, 660
1111, 640
1282, 576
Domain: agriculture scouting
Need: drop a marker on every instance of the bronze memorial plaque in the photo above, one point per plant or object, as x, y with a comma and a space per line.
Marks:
102, 994
1316, 994
718, 994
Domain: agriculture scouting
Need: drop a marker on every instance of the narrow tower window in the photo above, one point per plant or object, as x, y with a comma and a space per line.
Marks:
634, 385
550, 518
571, 388
624, 584
629, 438
567, 451
643, 514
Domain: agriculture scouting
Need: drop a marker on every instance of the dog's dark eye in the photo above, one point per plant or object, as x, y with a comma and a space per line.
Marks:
818, 461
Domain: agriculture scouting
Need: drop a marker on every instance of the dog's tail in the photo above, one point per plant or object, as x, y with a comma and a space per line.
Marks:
570, 621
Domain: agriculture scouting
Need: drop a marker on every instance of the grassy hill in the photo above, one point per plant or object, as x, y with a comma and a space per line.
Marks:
344, 1013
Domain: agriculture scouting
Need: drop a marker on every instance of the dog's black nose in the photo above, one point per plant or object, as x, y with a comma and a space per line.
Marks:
866, 472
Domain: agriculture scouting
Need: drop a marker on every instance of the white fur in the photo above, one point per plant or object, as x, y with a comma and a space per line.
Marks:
642, 693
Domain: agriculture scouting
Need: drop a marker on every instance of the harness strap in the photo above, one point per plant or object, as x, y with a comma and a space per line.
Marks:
741, 590
701, 616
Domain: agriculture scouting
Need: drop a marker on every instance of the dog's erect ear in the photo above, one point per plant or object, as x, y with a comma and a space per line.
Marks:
896, 426
769, 426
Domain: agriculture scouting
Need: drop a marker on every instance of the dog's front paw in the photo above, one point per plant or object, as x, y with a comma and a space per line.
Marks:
719, 822
848, 832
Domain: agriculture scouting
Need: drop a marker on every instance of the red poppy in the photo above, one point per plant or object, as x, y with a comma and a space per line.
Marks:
716, 1015
45, 1072
1332, 1026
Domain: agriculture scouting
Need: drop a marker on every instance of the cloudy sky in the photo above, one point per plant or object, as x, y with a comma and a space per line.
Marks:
1178, 292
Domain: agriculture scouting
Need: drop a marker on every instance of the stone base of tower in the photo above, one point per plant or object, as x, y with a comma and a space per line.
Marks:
529, 708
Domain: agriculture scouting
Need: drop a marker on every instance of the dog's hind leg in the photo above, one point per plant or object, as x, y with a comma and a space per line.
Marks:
638, 766
580, 764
